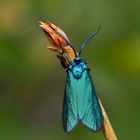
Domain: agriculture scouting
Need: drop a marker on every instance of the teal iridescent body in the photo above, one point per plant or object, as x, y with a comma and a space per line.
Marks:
80, 100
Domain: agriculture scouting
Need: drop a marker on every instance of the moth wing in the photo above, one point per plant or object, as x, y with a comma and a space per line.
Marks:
70, 117
88, 105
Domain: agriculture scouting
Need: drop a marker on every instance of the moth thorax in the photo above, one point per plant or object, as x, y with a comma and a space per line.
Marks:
77, 71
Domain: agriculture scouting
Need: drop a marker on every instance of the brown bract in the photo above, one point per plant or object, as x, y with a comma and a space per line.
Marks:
58, 44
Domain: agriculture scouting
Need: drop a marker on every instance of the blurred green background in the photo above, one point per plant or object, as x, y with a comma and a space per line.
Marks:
32, 80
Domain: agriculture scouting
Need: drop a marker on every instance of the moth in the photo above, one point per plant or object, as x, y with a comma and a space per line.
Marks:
80, 102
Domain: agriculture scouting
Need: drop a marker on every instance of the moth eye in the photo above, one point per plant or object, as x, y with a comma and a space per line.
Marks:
77, 60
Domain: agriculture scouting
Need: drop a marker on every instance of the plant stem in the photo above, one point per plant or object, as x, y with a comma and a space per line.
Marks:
107, 128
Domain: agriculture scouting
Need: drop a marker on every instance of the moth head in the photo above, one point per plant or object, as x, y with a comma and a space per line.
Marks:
77, 60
